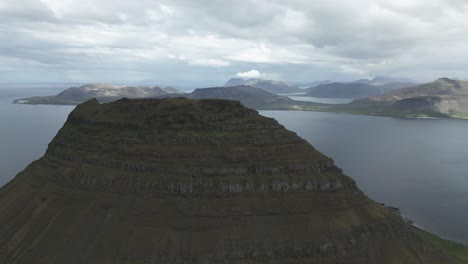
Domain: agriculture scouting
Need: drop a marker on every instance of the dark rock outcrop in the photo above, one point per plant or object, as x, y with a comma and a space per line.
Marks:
193, 181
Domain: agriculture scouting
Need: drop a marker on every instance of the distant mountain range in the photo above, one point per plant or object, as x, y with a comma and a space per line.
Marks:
353, 90
249, 96
443, 97
381, 80
310, 84
102, 92
327, 89
267, 85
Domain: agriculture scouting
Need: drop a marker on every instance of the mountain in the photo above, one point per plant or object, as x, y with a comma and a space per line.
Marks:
102, 92
236, 82
381, 80
396, 85
439, 87
310, 84
267, 85
352, 90
180, 84
443, 97
249, 96
172, 90
194, 181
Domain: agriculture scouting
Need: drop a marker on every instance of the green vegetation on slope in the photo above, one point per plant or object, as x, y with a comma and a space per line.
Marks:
458, 251
193, 181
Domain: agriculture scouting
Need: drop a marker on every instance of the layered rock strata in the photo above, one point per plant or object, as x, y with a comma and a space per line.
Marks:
193, 181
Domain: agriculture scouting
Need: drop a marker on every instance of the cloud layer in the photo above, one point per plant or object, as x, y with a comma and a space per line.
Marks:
249, 74
104, 40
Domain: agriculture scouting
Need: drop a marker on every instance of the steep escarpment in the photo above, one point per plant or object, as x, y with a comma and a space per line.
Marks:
193, 181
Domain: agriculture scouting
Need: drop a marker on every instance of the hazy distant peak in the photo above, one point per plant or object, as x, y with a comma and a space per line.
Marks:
267, 85
448, 80
93, 86
170, 89
381, 80
235, 82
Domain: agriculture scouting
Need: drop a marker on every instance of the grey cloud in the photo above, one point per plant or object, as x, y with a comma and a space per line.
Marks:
290, 40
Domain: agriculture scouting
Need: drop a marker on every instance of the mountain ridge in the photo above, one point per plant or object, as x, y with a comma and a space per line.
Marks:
102, 92
352, 90
442, 98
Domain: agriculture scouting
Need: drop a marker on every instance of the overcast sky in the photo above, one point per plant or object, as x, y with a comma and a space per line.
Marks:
291, 40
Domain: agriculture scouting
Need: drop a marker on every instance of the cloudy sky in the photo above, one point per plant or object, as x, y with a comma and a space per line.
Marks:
186, 40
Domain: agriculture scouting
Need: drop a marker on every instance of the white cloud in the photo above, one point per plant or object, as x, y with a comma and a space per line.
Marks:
249, 74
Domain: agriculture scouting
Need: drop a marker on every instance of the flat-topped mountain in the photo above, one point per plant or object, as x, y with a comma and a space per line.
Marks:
249, 96
193, 181
267, 85
102, 92
352, 90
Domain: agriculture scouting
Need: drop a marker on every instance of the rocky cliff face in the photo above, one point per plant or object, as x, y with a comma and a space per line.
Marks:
193, 181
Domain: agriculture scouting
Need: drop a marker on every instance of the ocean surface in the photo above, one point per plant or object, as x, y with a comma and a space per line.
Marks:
25, 130
417, 165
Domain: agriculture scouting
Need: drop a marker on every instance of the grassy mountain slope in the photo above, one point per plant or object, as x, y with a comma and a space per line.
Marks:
194, 181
